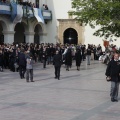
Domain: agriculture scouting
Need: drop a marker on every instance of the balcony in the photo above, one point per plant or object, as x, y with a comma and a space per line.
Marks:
19, 11
47, 14
5, 8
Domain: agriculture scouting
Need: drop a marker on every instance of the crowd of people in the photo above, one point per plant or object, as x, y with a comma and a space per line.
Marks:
45, 52
21, 2
21, 57
26, 3
4, 1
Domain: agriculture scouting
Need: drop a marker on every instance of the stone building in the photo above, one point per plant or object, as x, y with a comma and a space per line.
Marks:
21, 23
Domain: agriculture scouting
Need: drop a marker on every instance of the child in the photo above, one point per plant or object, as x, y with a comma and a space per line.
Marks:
29, 68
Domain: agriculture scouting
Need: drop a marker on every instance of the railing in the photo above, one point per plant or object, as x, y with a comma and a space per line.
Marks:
5, 8
13, 9
47, 14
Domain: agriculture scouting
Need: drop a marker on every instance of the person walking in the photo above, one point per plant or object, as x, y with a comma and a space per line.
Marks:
22, 63
88, 55
78, 58
57, 61
1, 61
113, 73
44, 58
29, 68
68, 59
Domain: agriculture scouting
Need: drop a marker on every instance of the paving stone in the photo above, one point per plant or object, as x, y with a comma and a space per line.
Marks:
78, 95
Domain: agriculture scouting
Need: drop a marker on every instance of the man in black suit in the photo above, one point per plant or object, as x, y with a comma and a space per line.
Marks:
22, 63
57, 60
113, 73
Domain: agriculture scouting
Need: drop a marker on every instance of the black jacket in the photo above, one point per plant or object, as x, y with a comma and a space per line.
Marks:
21, 59
68, 58
57, 60
88, 51
113, 69
1, 59
78, 58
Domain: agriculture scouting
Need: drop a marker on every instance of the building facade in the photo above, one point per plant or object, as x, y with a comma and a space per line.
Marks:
39, 25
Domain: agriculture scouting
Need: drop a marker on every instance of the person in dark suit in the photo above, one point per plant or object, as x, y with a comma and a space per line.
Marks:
113, 73
78, 58
44, 57
1, 61
57, 61
22, 63
68, 59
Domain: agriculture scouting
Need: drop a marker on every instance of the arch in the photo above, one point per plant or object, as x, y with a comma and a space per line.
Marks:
4, 25
1, 34
19, 36
38, 31
70, 36
40, 24
70, 23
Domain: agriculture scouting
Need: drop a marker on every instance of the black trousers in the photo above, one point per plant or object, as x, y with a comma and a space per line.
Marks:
57, 71
44, 63
22, 70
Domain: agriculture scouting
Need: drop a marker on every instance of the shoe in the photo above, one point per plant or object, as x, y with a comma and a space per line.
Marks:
32, 81
114, 100
58, 78
55, 77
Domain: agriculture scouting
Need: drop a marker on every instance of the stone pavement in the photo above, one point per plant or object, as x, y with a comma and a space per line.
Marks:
79, 95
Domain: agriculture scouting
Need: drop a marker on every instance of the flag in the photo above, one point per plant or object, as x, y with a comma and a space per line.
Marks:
16, 13
38, 15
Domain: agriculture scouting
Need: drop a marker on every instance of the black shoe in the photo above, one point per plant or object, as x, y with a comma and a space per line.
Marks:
114, 100
58, 78
55, 77
32, 81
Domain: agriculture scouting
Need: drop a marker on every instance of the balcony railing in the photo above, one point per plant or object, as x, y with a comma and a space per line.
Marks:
47, 14
20, 11
5, 8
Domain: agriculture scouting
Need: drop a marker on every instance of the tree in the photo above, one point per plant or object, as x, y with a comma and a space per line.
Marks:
105, 13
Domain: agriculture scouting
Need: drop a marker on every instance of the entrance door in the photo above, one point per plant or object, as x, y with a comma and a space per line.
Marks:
70, 36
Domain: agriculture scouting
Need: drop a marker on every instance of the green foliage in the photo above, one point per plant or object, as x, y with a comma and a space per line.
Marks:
105, 13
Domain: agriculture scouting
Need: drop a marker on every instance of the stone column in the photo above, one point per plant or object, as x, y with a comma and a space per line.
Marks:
29, 37
8, 36
42, 37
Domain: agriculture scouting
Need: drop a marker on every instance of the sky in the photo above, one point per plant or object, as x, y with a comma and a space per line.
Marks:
91, 39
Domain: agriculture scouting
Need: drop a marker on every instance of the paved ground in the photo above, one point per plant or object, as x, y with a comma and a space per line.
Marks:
79, 95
